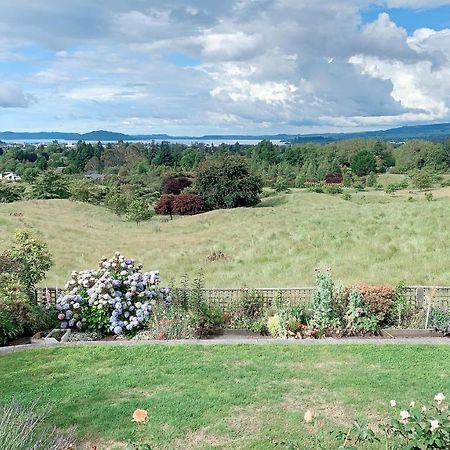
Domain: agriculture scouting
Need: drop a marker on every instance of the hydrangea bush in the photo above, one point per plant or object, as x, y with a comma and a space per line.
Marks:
117, 297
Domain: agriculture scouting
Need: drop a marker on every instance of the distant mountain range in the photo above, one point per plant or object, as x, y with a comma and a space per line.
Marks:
435, 132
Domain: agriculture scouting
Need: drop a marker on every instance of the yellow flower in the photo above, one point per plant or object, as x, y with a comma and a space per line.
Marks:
140, 416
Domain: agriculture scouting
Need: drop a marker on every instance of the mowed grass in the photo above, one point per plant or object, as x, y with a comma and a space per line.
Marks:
229, 397
375, 238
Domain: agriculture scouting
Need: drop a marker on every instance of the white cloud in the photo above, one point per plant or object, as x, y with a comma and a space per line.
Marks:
417, 4
280, 65
11, 96
229, 46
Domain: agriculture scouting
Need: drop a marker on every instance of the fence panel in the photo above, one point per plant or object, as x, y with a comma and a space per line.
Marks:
229, 299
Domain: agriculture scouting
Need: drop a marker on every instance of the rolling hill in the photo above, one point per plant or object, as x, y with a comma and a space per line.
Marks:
434, 132
373, 238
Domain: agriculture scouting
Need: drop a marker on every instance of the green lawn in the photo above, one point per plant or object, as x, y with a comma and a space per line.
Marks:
374, 238
229, 397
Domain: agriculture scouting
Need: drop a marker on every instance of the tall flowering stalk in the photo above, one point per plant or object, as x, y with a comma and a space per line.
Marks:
117, 297
322, 301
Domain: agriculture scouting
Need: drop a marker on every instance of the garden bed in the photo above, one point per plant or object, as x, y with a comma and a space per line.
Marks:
394, 333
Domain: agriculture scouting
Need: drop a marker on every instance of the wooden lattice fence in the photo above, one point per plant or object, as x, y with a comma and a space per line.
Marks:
228, 299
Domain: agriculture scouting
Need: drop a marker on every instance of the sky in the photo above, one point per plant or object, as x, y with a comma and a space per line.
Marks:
194, 67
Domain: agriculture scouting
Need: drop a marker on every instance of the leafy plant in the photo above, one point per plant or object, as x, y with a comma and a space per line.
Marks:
412, 428
440, 320
227, 182
171, 322
139, 211
378, 298
9, 328
358, 317
274, 326
31, 256
401, 309
323, 316
10, 192
49, 185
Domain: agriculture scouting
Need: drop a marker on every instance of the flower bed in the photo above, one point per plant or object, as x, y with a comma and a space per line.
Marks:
116, 298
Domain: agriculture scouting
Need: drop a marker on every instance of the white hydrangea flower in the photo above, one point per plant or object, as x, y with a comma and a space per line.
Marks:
434, 425
440, 397
404, 416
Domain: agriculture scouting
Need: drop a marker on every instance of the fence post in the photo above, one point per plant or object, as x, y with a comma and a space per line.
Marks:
420, 296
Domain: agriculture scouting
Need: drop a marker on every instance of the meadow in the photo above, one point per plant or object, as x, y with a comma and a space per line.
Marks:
375, 238
233, 397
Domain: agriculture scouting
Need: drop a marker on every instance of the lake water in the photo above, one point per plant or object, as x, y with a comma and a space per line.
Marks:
214, 142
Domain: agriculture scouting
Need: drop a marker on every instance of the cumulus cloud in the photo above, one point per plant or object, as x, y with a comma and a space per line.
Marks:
417, 3
200, 66
11, 96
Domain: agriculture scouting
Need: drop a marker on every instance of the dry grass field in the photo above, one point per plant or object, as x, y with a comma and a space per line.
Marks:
375, 237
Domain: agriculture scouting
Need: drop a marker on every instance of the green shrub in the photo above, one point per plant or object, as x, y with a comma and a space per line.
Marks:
227, 182
117, 203
9, 328
401, 309
423, 179
11, 192
21, 268
50, 185
139, 211
83, 190
171, 322
346, 196
274, 326
190, 297
332, 189
281, 185
358, 318
323, 317
440, 320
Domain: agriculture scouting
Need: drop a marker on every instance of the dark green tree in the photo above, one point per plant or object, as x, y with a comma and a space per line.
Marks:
50, 185
10, 192
363, 163
227, 182
267, 152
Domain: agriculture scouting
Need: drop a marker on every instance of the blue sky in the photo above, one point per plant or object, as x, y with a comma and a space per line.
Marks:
212, 66
411, 19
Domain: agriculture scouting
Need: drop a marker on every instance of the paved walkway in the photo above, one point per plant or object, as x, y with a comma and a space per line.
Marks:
230, 340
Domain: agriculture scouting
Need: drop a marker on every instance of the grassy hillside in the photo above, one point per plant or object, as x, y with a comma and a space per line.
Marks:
376, 238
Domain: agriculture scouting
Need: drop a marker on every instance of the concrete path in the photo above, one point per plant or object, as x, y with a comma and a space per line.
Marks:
230, 340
